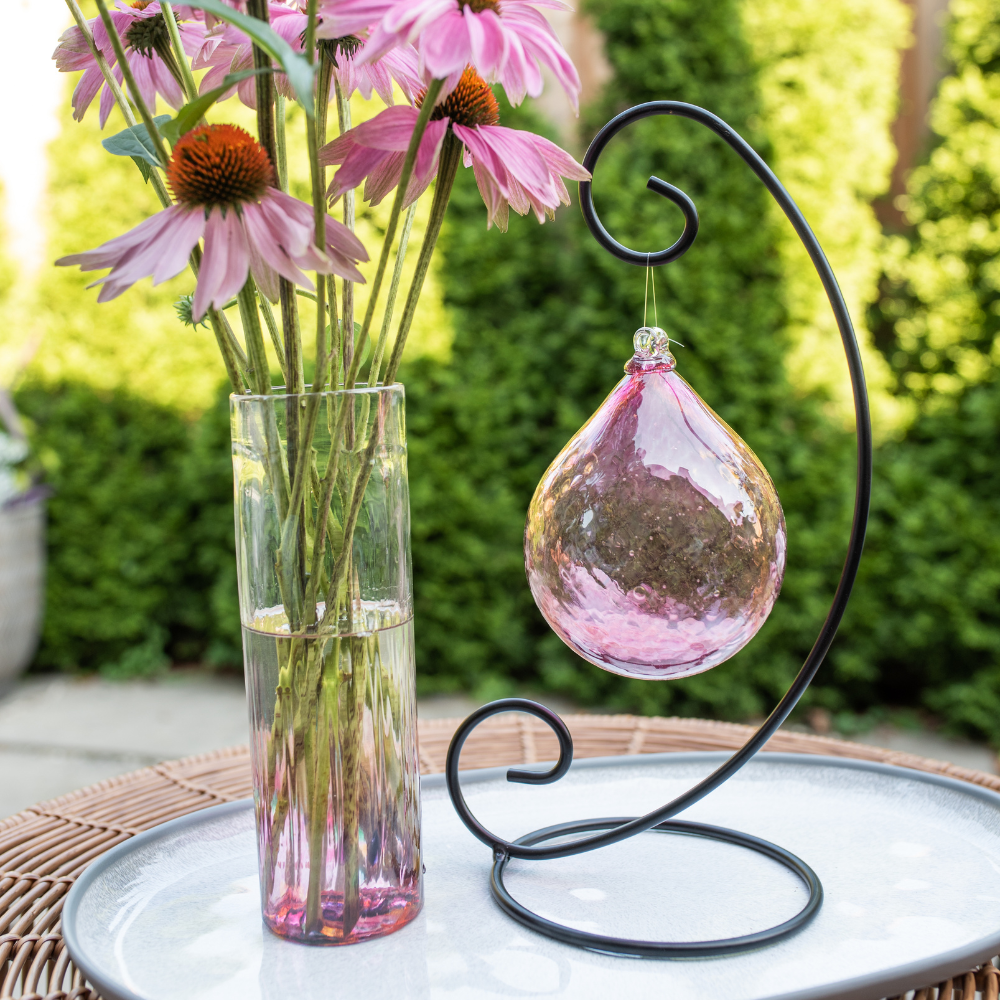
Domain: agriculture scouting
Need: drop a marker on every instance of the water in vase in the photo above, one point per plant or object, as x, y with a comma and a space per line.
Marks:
332, 721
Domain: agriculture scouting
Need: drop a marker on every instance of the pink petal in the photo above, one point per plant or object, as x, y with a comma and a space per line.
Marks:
288, 23
403, 65
343, 267
165, 249
496, 204
559, 161
160, 245
384, 178
390, 129
489, 42
446, 46
72, 53
225, 263
349, 17
86, 90
428, 150
213, 78
140, 67
264, 276
289, 217
414, 16
343, 240
513, 149
540, 44
107, 98
165, 83
268, 237
192, 36
357, 166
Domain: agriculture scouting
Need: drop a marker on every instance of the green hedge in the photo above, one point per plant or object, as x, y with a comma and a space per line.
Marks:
928, 617
141, 548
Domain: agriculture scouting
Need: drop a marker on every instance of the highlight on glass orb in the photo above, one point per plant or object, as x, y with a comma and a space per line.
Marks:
655, 542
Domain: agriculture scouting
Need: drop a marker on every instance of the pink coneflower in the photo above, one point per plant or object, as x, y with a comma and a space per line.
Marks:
505, 41
227, 50
146, 41
513, 169
223, 182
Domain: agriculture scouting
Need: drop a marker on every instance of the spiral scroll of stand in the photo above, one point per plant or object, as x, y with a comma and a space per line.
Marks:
591, 834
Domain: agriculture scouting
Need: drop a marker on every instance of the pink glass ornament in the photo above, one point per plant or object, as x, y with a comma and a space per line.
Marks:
655, 542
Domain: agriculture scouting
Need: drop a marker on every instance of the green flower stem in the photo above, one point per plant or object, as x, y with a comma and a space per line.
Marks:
242, 362
274, 332
264, 83
332, 368
333, 376
347, 287
232, 354
390, 302
352, 754
451, 156
228, 355
294, 374
180, 56
247, 299
116, 44
430, 98
279, 137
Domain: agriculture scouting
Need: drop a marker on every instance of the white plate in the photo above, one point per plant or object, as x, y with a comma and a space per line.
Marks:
910, 865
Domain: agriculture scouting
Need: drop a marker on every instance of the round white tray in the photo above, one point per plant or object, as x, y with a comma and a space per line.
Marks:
910, 865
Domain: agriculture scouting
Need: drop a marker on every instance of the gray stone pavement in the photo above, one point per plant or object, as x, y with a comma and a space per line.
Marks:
60, 733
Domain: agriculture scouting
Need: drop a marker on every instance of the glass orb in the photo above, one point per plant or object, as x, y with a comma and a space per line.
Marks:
655, 542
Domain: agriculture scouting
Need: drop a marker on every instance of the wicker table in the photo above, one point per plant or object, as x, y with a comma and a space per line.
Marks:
44, 848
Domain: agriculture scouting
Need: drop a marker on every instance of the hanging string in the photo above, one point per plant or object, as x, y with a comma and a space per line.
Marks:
645, 300
656, 321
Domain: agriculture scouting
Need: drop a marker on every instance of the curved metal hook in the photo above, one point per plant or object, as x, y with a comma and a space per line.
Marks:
674, 194
862, 498
524, 777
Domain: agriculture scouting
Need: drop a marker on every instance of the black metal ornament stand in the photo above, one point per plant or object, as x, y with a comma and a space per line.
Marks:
598, 833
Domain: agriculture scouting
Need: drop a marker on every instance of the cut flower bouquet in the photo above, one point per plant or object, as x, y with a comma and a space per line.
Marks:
320, 474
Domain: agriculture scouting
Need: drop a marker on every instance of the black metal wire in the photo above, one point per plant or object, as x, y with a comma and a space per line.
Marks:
528, 847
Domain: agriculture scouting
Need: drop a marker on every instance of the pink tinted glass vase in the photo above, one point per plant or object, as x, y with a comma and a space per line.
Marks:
331, 689
655, 542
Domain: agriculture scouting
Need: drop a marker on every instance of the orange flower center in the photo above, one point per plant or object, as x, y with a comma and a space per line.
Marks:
471, 103
219, 165
478, 6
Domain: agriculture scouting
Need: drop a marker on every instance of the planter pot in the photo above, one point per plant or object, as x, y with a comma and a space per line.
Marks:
323, 555
22, 578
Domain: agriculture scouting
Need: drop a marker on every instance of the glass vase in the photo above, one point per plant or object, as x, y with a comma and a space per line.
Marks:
323, 558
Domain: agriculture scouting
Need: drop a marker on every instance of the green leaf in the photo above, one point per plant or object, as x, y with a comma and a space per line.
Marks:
296, 67
135, 142
144, 168
192, 113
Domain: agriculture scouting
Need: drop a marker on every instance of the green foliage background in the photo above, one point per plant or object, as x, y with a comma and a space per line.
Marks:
928, 624
126, 415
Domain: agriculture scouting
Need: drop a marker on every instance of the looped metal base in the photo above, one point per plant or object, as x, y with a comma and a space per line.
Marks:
659, 949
